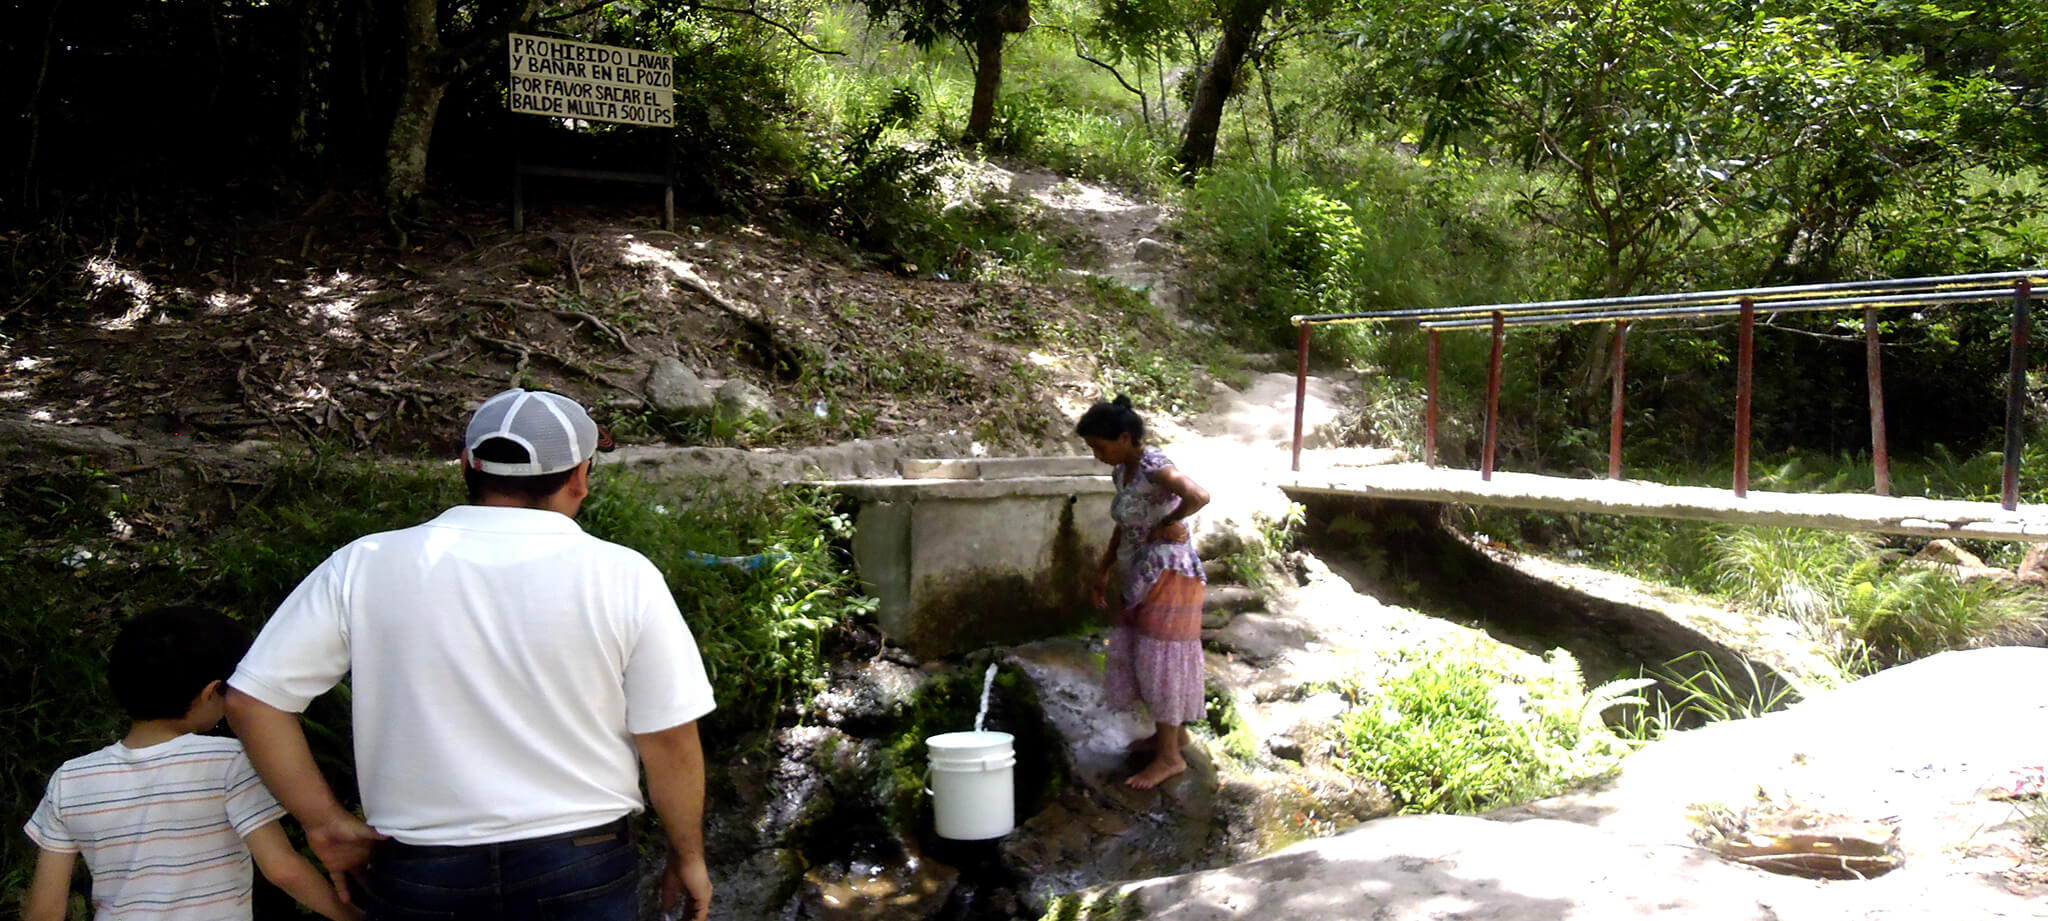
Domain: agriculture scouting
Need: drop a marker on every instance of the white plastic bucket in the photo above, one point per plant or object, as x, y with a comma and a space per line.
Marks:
971, 781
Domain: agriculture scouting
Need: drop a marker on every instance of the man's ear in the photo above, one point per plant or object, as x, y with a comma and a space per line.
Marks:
579, 482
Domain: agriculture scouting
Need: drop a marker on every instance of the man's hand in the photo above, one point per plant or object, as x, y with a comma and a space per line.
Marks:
343, 845
685, 889
276, 743
674, 759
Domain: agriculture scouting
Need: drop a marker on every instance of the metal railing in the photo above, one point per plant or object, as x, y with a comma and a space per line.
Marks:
1743, 303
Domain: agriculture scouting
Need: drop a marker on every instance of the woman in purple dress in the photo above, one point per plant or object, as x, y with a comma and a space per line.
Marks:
1155, 647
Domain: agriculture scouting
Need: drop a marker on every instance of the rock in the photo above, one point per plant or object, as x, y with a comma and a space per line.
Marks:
1946, 552
1235, 599
758, 887
1261, 639
2034, 567
1285, 748
1219, 537
1151, 252
1279, 808
1222, 603
1962, 564
674, 390
866, 698
742, 400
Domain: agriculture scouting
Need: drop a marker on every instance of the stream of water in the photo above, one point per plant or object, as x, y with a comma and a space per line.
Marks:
988, 681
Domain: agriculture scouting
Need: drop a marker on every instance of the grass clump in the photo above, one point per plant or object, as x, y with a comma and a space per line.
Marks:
1694, 689
1847, 593
1468, 731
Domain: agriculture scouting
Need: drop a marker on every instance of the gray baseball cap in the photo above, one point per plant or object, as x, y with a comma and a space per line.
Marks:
556, 433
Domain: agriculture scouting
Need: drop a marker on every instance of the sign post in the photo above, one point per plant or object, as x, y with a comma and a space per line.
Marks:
559, 78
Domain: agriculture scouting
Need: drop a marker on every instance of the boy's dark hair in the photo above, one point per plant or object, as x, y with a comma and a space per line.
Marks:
532, 489
163, 658
1110, 420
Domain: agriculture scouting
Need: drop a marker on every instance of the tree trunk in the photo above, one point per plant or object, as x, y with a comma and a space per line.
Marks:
988, 77
1219, 81
412, 130
412, 124
431, 64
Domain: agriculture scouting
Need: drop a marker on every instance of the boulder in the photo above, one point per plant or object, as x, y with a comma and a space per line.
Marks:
741, 400
675, 391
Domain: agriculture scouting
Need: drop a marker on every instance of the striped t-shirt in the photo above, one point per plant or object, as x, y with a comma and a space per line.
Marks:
161, 827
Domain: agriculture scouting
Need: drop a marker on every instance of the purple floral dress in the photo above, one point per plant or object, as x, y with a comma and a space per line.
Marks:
1155, 648
1139, 506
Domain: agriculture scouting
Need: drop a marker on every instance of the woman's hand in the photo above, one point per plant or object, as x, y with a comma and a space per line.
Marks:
1098, 590
1168, 532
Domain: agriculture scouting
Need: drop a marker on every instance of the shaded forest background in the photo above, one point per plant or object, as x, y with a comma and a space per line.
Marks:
1328, 155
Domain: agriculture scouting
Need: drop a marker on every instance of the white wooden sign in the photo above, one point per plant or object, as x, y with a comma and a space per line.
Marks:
565, 79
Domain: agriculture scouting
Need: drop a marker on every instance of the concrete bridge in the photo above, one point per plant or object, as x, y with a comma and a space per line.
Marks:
964, 553
1828, 511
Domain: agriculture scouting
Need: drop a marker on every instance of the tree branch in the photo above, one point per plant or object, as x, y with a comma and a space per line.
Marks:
572, 14
751, 13
1081, 51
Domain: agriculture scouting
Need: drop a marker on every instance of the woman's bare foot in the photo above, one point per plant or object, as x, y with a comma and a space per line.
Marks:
1157, 772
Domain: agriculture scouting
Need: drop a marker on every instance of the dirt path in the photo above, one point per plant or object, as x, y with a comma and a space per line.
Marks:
1129, 241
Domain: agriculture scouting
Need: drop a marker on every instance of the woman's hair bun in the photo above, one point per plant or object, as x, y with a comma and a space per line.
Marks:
1122, 400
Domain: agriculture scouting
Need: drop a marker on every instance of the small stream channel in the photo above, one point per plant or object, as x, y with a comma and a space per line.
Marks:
1404, 553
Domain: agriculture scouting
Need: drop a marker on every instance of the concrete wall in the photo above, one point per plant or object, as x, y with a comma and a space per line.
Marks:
961, 564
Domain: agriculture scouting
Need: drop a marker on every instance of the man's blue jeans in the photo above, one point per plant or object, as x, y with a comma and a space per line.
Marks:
591, 875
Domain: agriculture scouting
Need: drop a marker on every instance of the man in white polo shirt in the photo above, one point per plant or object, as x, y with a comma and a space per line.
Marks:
507, 670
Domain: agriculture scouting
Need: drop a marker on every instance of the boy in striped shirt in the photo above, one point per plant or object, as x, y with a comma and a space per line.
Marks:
168, 821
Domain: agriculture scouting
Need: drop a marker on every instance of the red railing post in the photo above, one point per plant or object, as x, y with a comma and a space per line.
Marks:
1745, 361
2016, 396
1880, 459
1493, 396
1300, 392
1614, 414
1429, 405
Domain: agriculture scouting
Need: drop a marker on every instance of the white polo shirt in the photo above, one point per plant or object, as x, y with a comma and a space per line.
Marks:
502, 660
